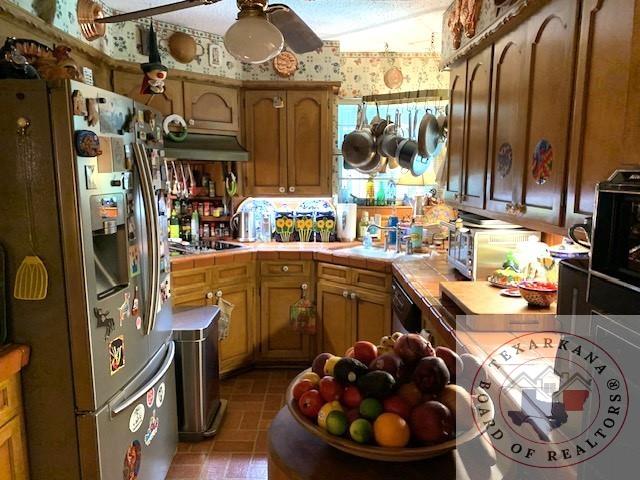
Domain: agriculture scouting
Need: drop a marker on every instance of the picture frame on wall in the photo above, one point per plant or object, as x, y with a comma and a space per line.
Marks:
214, 55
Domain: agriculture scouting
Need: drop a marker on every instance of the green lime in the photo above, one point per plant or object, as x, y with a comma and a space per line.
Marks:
361, 430
370, 408
337, 423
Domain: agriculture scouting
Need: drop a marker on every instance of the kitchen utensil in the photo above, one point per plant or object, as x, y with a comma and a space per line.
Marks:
386, 454
407, 154
183, 47
358, 147
175, 189
244, 223
192, 183
32, 278
586, 227
427, 140
183, 187
230, 181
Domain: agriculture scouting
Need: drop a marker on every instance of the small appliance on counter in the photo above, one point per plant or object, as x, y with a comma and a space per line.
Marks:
243, 222
479, 245
347, 217
200, 409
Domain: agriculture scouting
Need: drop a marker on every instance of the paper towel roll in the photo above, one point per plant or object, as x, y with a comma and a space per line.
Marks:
346, 218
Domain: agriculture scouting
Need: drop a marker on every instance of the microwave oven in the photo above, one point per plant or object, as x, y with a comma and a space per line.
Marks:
477, 252
615, 237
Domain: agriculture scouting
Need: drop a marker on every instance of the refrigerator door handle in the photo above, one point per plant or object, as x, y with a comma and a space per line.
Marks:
127, 402
151, 226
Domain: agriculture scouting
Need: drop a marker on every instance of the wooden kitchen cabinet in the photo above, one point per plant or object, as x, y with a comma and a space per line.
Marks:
266, 140
506, 146
334, 313
474, 168
288, 135
211, 108
455, 139
371, 315
13, 452
356, 308
606, 58
549, 68
278, 341
171, 101
308, 142
237, 350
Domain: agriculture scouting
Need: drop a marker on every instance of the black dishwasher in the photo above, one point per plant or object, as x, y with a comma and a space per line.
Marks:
407, 317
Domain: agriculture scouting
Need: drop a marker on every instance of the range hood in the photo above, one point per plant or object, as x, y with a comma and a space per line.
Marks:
210, 148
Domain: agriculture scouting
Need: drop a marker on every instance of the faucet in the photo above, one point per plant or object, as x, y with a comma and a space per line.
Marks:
395, 228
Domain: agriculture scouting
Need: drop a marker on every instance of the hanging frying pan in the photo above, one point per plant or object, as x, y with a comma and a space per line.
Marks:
358, 147
428, 134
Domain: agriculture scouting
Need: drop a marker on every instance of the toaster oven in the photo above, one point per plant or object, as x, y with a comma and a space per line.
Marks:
477, 252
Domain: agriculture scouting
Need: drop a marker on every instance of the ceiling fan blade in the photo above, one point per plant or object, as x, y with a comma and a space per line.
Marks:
298, 35
150, 12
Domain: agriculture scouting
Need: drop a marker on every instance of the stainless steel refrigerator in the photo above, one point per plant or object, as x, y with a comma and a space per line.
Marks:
99, 393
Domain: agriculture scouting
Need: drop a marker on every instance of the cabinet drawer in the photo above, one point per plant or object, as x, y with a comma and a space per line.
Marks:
288, 268
9, 398
366, 279
193, 297
335, 273
232, 273
189, 279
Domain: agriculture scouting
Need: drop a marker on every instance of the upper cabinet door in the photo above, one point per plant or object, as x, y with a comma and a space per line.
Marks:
128, 84
266, 140
457, 87
506, 151
477, 136
210, 108
308, 143
550, 61
603, 83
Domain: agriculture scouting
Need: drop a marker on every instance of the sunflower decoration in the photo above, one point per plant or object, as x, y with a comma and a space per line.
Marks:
284, 225
325, 225
304, 225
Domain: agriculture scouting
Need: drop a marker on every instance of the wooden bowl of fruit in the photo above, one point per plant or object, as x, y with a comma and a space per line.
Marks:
395, 404
539, 294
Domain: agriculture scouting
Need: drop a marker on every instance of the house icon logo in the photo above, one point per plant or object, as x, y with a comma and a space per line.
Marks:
559, 399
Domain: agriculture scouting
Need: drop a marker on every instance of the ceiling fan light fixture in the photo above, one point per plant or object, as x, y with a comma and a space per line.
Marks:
252, 38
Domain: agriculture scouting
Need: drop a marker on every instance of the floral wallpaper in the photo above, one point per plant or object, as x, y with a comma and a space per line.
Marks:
363, 72
123, 41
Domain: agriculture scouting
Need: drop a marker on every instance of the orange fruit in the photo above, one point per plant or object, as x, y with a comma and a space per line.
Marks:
391, 430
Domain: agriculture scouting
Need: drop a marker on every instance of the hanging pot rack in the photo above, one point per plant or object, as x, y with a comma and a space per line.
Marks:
432, 95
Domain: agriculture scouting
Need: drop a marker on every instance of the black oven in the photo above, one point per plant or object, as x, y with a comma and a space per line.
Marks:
615, 254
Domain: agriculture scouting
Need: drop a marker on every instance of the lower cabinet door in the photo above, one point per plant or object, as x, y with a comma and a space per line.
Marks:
236, 350
334, 316
278, 339
13, 451
371, 315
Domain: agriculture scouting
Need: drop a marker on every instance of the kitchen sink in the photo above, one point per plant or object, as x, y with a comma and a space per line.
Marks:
373, 252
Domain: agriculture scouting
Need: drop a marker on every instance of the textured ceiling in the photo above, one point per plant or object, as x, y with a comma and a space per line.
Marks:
359, 25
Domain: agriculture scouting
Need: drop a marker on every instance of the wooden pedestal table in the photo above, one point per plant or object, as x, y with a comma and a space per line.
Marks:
295, 454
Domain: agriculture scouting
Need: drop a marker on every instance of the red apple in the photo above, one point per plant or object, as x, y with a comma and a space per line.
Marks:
301, 387
432, 422
330, 389
310, 403
365, 351
412, 347
351, 397
389, 362
452, 360
431, 375
398, 405
349, 352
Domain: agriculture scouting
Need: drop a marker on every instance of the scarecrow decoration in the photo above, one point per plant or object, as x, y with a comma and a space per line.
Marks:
155, 72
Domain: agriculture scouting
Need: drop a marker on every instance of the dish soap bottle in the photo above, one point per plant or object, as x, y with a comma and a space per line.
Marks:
371, 191
363, 225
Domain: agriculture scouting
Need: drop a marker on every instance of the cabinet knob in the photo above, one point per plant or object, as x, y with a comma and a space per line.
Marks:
209, 295
219, 294
353, 296
285, 268
191, 122
292, 189
345, 294
281, 189
456, 196
304, 286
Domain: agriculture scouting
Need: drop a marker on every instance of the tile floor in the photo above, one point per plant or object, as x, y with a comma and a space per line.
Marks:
239, 450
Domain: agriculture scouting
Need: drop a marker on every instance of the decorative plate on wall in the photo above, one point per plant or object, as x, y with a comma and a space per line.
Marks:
285, 64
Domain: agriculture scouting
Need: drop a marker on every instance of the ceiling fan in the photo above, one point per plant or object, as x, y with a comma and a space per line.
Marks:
258, 35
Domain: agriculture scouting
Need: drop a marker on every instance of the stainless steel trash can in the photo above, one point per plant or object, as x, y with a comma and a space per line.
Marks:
200, 409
